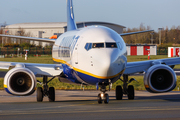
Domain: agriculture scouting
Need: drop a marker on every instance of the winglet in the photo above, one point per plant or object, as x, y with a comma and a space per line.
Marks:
71, 25
124, 34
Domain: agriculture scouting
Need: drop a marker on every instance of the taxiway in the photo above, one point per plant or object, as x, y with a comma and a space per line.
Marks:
83, 105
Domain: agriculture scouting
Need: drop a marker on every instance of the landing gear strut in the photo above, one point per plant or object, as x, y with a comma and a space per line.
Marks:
46, 91
127, 89
103, 96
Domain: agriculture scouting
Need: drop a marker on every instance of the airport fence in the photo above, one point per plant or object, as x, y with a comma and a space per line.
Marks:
162, 51
16, 51
34, 51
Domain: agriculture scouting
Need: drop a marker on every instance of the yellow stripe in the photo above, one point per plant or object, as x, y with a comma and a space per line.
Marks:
96, 76
5, 86
87, 73
62, 61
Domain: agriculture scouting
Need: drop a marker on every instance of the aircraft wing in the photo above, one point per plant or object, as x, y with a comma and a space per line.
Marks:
124, 34
29, 38
37, 69
142, 66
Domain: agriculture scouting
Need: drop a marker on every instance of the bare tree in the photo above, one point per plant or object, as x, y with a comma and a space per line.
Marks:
21, 32
1, 32
138, 38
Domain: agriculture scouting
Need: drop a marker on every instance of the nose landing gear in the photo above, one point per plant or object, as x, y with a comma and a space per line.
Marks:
103, 96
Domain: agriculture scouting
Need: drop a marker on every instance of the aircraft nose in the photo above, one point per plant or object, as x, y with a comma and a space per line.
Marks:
111, 63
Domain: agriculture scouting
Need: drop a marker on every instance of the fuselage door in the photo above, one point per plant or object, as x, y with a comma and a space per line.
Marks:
76, 54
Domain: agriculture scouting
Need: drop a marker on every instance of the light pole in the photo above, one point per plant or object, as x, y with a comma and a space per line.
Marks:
19, 35
40, 36
160, 29
152, 37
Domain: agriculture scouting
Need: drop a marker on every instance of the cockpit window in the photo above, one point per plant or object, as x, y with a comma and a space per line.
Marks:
111, 45
98, 45
88, 46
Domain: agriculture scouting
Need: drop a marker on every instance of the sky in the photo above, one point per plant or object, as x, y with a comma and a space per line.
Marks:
129, 13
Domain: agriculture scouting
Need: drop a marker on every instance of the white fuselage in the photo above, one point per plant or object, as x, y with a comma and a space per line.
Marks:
93, 54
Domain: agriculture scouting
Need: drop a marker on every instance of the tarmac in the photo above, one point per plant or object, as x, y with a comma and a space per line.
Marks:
80, 104
83, 105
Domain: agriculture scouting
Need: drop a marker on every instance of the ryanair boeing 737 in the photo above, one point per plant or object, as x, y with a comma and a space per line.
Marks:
94, 55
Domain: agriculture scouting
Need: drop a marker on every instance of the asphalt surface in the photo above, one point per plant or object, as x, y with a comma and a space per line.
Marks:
83, 105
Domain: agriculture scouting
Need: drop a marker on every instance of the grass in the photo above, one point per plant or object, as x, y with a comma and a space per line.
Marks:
145, 57
59, 85
31, 59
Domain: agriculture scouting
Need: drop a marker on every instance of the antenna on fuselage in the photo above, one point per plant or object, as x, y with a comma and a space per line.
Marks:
71, 25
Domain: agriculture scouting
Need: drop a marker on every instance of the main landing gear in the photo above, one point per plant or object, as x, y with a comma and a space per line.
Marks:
127, 89
46, 91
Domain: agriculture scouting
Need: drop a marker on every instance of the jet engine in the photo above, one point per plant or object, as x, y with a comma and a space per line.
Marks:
20, 81
160, 78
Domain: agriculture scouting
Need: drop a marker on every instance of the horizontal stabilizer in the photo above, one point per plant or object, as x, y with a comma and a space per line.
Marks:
29, 38
124, 34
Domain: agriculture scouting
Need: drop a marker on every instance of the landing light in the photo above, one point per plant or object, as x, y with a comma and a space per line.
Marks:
57, 68
102, 95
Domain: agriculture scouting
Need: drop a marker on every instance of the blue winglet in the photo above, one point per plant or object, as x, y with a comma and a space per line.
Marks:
71, 25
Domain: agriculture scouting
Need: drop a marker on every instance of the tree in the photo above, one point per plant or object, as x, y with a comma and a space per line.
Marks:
138, 38
21, 32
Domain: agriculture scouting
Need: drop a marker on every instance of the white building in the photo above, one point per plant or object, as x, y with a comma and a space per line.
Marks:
141, 49
46, 30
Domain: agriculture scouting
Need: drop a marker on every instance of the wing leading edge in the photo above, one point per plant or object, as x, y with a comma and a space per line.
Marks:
29, 38
142, 66
37, 69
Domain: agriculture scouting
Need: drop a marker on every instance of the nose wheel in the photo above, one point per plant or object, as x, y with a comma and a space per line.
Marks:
103, 96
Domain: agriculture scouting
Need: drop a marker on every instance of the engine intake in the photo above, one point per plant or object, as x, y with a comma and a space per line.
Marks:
160, 78
20, 81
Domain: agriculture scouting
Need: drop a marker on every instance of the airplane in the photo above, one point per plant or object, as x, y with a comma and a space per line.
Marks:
94, 55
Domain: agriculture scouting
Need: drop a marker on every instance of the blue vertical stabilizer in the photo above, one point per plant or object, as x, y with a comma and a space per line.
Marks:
71, 25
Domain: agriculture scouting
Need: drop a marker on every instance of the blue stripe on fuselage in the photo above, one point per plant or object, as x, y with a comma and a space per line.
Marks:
72, 75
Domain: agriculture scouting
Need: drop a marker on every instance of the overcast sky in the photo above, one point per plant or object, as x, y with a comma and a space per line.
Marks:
129, 13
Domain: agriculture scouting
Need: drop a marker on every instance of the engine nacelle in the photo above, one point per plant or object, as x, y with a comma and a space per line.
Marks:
20, 81
160, 78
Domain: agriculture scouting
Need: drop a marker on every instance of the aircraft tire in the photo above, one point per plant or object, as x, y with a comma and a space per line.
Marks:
99, 99
106, 98
130, 92
51, 95
39, 94
119, 93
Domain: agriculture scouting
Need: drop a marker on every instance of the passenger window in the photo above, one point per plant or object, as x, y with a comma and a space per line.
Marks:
98, 45
111, 45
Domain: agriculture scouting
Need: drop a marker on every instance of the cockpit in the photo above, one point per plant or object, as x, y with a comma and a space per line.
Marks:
89, 46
